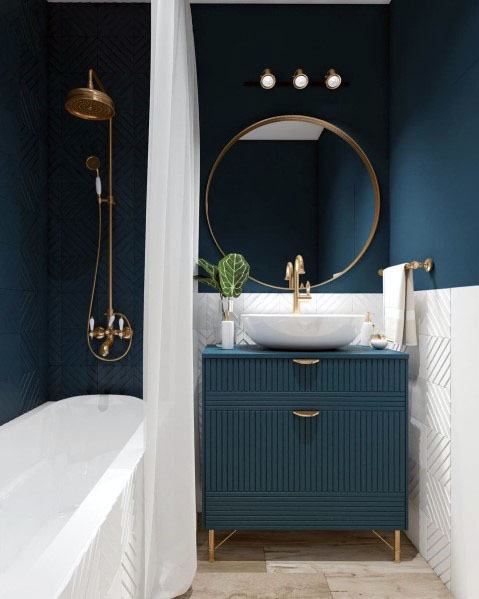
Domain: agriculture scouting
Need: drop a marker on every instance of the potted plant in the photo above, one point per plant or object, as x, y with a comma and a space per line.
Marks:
228, 278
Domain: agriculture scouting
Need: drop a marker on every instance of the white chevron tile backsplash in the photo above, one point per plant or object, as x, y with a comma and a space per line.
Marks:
260, 303
334, 303
370, 302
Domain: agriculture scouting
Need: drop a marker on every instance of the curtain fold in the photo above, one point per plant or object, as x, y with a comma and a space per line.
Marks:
171, 251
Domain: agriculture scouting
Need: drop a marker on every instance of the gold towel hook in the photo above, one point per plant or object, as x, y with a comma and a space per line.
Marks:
427, 265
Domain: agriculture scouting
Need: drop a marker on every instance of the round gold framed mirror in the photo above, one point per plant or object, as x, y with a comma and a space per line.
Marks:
316, 195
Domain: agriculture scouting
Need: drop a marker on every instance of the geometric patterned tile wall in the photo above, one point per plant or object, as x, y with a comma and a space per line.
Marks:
430, 432
115, 40
23, 205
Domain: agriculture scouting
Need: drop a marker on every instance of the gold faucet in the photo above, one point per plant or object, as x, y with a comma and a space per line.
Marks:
292, 276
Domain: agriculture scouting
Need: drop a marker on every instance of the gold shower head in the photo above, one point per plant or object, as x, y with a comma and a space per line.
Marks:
89, 103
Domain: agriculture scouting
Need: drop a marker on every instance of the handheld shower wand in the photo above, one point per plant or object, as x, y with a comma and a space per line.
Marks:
93, 164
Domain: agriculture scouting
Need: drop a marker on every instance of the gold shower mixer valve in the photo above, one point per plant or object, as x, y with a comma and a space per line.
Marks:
107, 334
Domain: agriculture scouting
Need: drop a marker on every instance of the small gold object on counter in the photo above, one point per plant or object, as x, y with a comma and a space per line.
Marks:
379, 341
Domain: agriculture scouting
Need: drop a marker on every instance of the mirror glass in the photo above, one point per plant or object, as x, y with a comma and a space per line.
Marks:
288, 186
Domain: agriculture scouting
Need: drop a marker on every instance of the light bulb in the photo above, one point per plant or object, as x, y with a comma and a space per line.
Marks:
300, 79
267, 79
332, 79
121, 322
98, 185
111, 321
92, 324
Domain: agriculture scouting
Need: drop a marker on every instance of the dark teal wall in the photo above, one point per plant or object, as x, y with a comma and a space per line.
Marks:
23, 206
234, 43
47, 198
434, 168
115, 40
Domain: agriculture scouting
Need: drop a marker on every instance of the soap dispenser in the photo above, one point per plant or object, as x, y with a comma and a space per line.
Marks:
367, 330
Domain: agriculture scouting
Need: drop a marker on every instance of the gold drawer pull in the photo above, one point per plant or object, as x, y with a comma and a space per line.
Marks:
306, 413
306, 361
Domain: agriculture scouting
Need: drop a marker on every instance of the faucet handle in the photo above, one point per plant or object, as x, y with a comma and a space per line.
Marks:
289, 275
306, 288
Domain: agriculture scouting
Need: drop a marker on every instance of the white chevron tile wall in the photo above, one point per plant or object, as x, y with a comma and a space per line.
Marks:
439, 361
370, 302
430, 438
438, 409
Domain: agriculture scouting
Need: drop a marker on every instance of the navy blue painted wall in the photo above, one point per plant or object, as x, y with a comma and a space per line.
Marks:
115, 40
434, 168
234, 43
23, 206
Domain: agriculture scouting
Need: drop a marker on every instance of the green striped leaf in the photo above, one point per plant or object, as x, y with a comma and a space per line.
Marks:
233, 273
213, 280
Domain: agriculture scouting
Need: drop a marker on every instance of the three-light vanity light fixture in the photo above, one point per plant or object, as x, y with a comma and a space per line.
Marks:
332, 80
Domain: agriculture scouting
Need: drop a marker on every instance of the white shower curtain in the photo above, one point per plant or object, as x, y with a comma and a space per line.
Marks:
171, 246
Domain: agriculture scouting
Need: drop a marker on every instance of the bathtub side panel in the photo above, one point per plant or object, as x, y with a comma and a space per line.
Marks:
112, 568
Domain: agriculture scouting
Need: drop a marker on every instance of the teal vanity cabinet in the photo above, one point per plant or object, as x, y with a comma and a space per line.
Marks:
304, 440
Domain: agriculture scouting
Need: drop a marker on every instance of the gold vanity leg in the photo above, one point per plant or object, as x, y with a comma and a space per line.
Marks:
397, 545
211, 545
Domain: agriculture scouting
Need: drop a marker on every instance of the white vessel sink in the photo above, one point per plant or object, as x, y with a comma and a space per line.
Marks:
303, 331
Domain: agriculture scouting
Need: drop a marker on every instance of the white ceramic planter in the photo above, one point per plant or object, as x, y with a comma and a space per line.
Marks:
227, 334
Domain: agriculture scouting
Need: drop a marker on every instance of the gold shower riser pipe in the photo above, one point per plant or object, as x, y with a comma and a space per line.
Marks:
110, 217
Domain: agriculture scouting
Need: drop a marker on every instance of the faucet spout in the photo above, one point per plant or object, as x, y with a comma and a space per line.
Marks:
289, 274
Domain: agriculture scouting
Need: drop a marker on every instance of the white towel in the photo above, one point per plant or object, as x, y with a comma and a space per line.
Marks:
398, 300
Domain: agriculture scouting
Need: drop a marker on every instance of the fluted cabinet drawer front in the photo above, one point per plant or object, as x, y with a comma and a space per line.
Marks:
304, 512
344, 451
252, 375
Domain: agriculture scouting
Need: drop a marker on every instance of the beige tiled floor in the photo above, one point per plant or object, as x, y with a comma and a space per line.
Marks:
312, 565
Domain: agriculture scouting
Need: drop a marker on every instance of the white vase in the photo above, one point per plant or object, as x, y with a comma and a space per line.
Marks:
227, 334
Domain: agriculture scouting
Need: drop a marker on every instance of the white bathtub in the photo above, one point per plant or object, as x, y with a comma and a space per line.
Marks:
70, 500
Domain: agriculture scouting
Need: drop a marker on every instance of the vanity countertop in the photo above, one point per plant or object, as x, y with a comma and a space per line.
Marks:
255, 351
